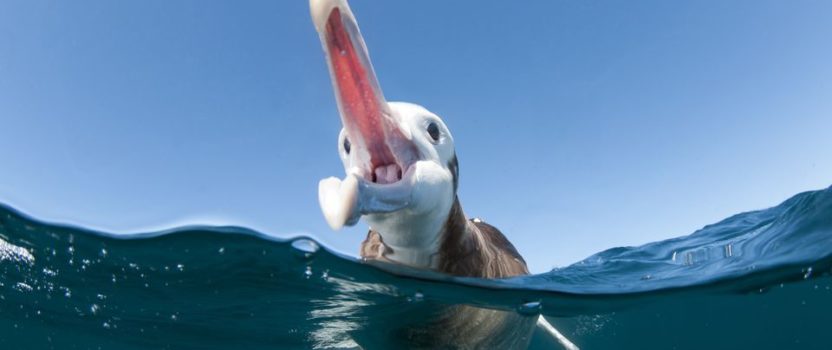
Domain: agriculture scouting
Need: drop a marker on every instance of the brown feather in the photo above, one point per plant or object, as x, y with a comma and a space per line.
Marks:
469, 248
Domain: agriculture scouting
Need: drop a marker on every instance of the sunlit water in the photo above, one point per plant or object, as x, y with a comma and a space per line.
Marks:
756, 280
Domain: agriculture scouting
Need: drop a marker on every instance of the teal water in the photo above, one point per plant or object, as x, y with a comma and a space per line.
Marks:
755, 280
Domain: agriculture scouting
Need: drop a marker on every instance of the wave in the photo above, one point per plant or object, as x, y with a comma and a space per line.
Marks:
757, 279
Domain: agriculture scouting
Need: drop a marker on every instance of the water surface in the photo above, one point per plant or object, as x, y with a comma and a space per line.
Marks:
755, 280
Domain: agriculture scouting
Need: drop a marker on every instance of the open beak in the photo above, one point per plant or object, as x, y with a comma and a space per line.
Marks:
383, 149
382, 152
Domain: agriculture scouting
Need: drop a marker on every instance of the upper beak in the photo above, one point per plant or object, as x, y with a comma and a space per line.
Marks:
383, 148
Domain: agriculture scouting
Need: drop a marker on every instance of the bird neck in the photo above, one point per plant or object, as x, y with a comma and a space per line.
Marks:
417, 240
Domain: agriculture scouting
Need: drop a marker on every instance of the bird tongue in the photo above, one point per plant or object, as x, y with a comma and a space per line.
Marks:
387, 174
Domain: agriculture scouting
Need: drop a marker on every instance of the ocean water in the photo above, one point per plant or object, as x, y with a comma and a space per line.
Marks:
757, 280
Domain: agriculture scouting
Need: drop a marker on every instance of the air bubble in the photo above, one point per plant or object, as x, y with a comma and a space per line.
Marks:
530, 308
23, 287
305, 248
807, 273
308, 272
416, 297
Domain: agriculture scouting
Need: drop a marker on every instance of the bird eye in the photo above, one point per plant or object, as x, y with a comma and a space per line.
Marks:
347, 145
433, 131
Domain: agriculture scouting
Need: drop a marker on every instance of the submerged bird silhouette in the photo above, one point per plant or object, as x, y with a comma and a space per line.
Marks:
402, 177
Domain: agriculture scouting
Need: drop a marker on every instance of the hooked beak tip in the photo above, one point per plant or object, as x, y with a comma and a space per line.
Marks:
321, 9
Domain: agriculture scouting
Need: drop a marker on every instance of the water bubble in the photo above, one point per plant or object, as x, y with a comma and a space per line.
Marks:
94, 309
173, 317
305, 248
729, 250
180, 267
308, 272
808, 273
689, 260
23, 287
646, 277
325, 274
530, 308
416, 297
103, 253
221, 250
106, 325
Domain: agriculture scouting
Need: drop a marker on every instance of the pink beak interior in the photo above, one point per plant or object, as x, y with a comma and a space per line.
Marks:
382, 149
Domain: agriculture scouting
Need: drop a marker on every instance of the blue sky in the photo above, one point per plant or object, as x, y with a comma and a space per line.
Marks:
579, 125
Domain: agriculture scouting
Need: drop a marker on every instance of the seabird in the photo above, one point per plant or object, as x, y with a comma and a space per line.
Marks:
402, 177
